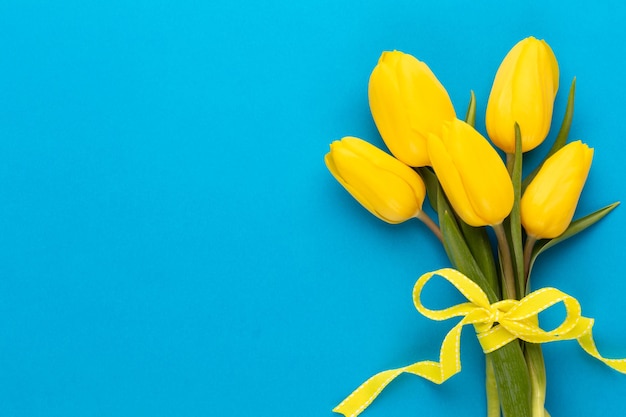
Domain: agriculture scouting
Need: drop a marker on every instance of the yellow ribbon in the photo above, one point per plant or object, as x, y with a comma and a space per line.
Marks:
496, 325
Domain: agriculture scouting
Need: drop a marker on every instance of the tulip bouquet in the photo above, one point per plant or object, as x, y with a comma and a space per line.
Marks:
479, 197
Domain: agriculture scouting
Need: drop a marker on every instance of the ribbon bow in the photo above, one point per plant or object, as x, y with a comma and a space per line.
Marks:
496, 325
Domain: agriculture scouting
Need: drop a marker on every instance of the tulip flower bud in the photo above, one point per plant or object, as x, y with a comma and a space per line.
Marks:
407, 102
386, 187
549, 202
523, 92
471, 174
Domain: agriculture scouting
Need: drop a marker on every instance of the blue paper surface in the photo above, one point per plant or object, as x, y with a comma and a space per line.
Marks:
171, 243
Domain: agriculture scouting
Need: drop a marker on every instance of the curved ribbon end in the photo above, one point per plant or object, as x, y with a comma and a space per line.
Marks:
363, 396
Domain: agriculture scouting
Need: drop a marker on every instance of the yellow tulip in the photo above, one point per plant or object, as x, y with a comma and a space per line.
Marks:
386, 187
407, 102
523, 91
550, 200
471, 174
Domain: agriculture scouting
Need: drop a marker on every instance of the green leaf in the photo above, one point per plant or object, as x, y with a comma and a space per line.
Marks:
561, 137
470, 115
479, 245
574, 228
512, 379
515, 217
432, 185
458, 251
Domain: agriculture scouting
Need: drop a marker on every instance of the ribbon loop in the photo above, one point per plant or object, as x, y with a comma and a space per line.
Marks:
496, 325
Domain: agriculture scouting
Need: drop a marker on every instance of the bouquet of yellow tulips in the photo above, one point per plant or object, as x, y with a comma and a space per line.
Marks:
476, 193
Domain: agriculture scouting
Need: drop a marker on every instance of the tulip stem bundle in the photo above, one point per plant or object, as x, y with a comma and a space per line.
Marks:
528, 251
508, 276
470, 187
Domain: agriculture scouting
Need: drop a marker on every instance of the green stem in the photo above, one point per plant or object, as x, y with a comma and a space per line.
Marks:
430, 224
493, 401
528, 252
508, 279
537, 372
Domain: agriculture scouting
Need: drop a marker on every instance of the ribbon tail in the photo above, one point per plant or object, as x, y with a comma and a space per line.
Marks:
449, 365
363, 396
587, 343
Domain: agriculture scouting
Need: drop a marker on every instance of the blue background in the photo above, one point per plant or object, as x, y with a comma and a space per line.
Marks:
171, 243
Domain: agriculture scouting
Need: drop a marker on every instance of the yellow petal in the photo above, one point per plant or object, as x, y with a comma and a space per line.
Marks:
472, 174
523, 92
451, 181
407, 103
549, 202
383, 185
